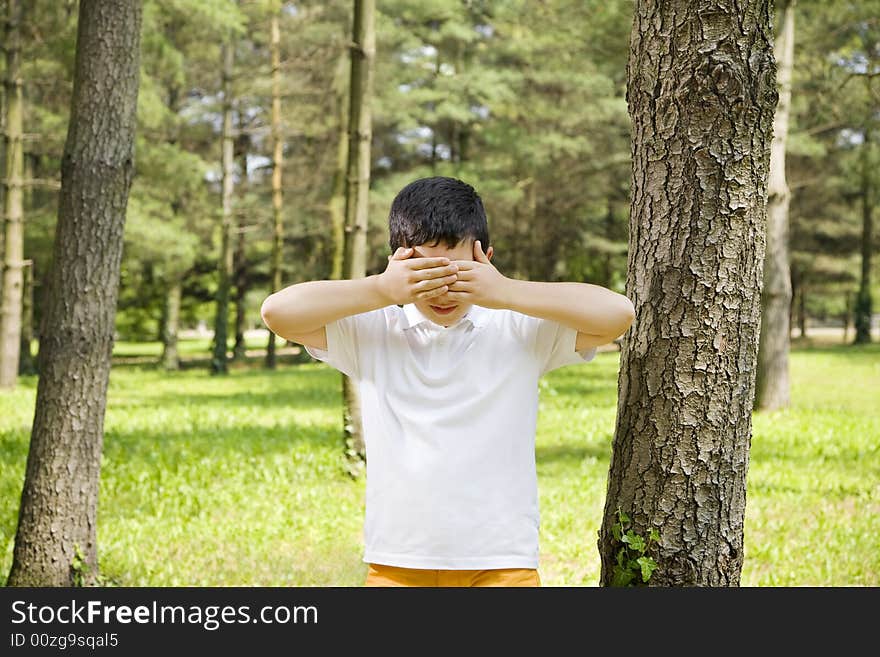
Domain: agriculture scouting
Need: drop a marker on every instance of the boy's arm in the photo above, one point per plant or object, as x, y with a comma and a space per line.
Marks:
301, 312
598, 314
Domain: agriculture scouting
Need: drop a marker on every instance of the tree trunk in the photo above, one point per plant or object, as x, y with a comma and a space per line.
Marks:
277, 165
864, 303
847, 313
221, 320
337, 199
771, 380
26, 363
58, 513
802, 311
701, 93
13, 251
363, 50
170, 323
240, 267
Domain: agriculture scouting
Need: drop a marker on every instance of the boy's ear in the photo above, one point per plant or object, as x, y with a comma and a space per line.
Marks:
490, 252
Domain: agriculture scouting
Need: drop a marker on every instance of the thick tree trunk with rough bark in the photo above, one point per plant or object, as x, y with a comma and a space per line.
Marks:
771, 382
363, 51
224, 269
59, 503
277, 166
701, 92
13, 224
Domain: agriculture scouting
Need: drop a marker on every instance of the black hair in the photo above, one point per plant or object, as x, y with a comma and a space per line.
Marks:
431, 210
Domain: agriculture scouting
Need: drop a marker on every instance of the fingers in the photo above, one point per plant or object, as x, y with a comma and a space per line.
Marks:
427, 263
401, 253
479, 256
434, 272
460, 286
432, 283
460, 296
436, 292
463, 265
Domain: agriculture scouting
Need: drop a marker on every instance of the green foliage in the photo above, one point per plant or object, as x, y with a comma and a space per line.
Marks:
633, 566
78, 566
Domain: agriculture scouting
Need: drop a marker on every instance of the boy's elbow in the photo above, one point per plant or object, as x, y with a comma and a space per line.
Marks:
267, 310
627, 315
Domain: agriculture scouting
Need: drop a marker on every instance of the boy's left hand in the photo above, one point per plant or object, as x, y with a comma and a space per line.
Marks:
478, 282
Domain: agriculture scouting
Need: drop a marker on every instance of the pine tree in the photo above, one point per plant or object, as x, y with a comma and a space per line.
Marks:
58, 513
681, 444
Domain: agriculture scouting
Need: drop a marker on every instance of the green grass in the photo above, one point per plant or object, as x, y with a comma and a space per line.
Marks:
237, 480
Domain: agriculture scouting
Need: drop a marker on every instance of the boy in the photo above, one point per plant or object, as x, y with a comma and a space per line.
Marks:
449, 387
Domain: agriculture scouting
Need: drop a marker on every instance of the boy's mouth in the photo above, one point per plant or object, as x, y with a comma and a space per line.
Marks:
440, 310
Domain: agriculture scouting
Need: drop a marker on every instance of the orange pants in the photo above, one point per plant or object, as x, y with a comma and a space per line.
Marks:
382, 575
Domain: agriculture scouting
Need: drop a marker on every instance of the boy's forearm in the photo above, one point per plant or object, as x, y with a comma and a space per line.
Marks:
585, 307
306, 307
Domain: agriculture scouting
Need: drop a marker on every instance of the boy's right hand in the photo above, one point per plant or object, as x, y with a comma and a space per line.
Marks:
407, 279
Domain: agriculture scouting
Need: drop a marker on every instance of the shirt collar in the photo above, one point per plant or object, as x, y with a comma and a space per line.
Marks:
476, 315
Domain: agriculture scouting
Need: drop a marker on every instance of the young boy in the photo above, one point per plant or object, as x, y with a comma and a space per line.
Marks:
449, 387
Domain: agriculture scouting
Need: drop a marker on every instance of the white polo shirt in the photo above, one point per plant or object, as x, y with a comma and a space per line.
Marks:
449, 417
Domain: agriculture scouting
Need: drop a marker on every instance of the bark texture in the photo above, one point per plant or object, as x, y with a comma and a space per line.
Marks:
13, 224
170, 323
219, 363
864, 303
60, 497
363, 54
277, 165
771, 383
701, 93
336, 205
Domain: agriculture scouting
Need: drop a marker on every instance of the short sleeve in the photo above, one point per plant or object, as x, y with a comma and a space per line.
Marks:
350, 343
554, 345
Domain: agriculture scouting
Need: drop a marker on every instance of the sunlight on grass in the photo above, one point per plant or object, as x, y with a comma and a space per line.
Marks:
238, 480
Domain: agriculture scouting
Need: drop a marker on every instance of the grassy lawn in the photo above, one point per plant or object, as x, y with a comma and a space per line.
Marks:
238, 481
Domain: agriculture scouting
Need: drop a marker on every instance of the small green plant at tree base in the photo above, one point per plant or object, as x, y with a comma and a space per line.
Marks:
633, 566
79, 567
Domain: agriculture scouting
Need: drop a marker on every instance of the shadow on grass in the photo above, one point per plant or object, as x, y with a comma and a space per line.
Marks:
571, 453
231, 443
277, 399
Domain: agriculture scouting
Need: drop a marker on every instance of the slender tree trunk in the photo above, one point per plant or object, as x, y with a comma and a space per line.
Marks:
363, 52
802, 311
58, 513
13, 252
847, 313
864, 303
771, 380
277, 167
337, 199
170, 323
221, 320
701, 93
240, 267
26, 362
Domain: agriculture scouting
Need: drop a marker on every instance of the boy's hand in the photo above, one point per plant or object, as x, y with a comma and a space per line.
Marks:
408, 279
478, 282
